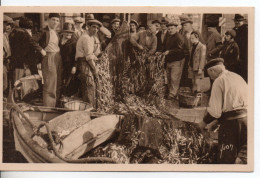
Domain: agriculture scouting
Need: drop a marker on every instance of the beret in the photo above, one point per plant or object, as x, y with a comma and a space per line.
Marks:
156, 21
231, 33
54, 15
135, 22
115, 20
172, 24
214, 62
94, 21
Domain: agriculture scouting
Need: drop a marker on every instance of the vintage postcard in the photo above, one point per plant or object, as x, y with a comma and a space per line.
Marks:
127, 88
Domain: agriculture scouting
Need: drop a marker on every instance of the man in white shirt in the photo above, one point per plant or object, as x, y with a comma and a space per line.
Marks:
52, 63
87, 50
228, 105
78, 27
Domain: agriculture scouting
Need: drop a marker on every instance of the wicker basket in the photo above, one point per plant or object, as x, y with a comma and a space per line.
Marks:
188, 100
77, 105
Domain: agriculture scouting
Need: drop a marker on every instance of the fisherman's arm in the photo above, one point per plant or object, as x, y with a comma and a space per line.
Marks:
154, 46
133, 40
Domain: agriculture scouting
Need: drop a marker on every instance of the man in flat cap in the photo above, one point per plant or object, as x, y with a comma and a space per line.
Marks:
187, 30
174, 58
115, 25
106, 21
133, 26
242, 40
78, 27
87, 50
51, 64
161, 35
228, 105
158, 32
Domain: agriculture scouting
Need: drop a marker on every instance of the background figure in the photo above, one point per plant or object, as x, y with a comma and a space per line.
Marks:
106, 21
104, 35
115, 25
162, 35
186, 31
52, 63
133, 27
242, 41
78, 27
230, 52
174, 58
158, 32
197, 62
68, 51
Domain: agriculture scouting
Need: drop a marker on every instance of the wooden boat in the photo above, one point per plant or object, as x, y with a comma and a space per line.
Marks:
59, 135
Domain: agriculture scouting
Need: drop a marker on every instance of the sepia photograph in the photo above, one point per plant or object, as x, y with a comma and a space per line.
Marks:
152, 88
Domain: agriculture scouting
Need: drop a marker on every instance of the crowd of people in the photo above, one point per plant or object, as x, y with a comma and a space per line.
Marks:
74, 50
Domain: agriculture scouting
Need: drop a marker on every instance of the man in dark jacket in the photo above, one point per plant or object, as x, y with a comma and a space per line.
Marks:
174, 58
161, 35
52, 63
24, 49
242, 41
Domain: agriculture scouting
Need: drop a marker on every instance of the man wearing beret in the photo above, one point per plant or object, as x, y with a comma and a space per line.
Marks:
52, 63
227, 105
174, 58
242, 41
187, 29
87, 50
230, 52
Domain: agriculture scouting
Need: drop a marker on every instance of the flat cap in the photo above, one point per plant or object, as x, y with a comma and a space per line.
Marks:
183, 17
79, 20
94, 21
106, 17
90, 17
172, 24
57, 15
68, 28
214, 62
231, 33
135, 22
115, 20
105, 31
238, 17
189, 20
8, 19
164, 21
156, 21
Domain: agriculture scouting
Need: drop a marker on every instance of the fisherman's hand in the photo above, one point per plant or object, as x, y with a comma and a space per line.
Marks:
166, 53
73, 70
39, 66
201, 125
199, 71
17, 83
43, 52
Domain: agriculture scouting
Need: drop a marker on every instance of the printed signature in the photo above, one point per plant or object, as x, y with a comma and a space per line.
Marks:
224, 147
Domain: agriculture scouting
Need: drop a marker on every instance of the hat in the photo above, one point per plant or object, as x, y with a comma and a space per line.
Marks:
26, 23
186, 20
90, 17
94, 21
68, 28
214, 62
115, 20
164, 21
8, 19
135, 22
79, 20
172, 24
156, 21
57, 15
106, 17
212, 24
231, 33
105, 31
238, 17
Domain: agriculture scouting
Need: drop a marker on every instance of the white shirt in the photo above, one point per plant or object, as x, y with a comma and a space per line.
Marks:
229, 92
87, 45
53, 45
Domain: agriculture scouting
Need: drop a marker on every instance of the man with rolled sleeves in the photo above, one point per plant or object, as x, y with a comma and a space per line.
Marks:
51, 64
174, 58
227, 105
87, 50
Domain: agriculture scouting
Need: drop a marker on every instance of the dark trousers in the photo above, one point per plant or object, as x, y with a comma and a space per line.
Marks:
232, 137
52, 77
88, 87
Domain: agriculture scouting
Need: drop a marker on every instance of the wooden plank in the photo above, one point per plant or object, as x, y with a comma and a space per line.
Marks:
88, 131
91, 144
